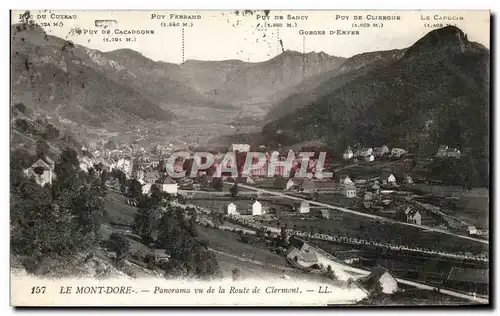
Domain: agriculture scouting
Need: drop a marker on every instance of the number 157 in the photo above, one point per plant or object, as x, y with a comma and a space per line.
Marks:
38, 290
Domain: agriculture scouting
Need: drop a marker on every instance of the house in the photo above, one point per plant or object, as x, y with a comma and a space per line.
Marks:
380, 151
290, 184
368, 200
483, 231
155, 161
441, 152
301, 255
398, 152
42, 171
453, 153
304, 207
380, 275
369, 158
391, 180
325, 213
366, 151
151, 177
160, 255
240, 147
106, 164
468, 279
231, 209
346, 181
471, 230
388, 179
413, 216
348, 154
138, 174
146, 188
408, 180
256, 208
350, 191
124, 165
186, 183
170, 186
85, 163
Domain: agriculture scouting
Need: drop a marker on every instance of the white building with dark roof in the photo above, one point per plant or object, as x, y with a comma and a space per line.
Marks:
256, 208
42, 171
231, 209
304, 207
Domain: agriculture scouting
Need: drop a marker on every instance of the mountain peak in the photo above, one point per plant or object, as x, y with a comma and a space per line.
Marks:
126, 52
449, 38
290, 52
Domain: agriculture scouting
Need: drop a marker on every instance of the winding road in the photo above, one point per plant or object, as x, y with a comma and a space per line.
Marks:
376, 217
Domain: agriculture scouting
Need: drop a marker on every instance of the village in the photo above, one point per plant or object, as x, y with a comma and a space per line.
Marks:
390, 212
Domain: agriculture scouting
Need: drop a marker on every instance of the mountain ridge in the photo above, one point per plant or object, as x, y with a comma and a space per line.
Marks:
442, 78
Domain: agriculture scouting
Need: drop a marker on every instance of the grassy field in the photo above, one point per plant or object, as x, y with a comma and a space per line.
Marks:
364, 228
472, 206
117, 209
352, 226
228, 242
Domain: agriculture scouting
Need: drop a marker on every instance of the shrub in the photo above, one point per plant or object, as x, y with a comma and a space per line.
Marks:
120, 245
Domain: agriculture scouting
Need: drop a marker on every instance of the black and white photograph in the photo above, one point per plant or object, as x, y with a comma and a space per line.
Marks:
249, 158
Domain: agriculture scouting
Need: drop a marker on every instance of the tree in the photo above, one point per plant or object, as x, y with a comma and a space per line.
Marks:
20, 107
284, 236
51, 132
234, 190
99, 167
104, 176
217, 184
193, 217
120, 176
217, 219
315, 196
207, 265
22, 125
162, 166
188, 257
42, 148
260, 234
144, 223
110, 145
134, 189
237, 274
67, 172
88, 203
68, 162
20, 159
56, 222
120, 245
330, 273
376, 289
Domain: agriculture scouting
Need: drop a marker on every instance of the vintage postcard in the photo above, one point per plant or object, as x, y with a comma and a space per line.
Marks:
249, 158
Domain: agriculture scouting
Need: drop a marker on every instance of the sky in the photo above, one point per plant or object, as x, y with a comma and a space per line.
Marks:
221, 35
